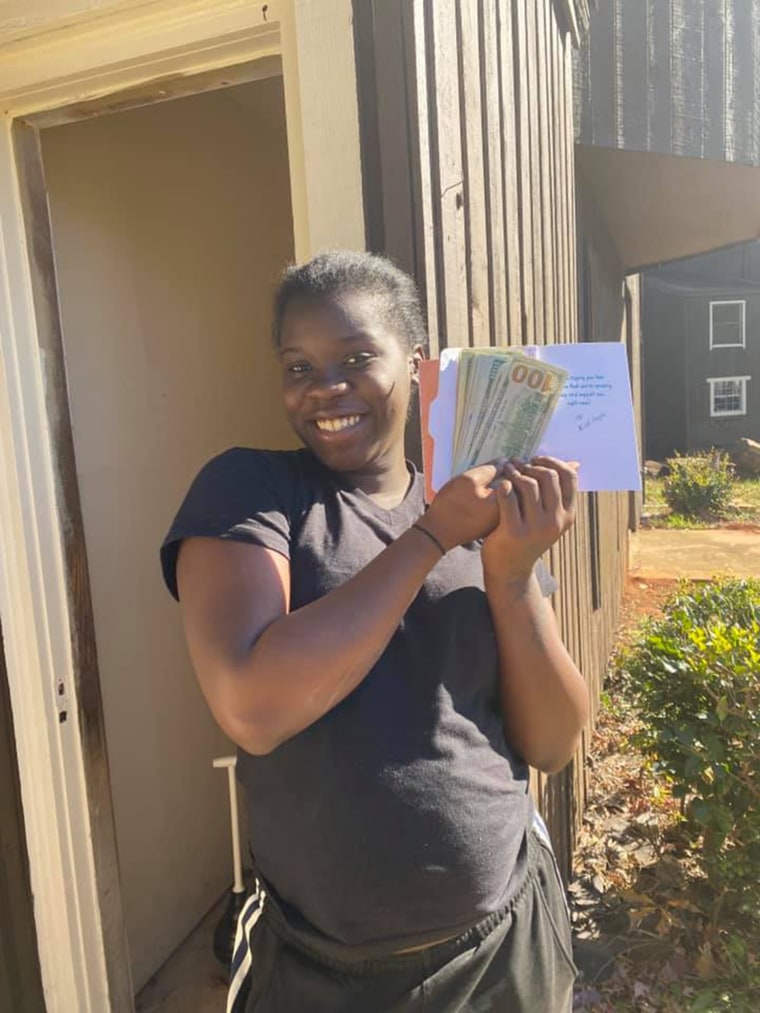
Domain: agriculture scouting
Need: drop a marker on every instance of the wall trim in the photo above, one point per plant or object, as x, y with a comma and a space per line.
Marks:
128, 46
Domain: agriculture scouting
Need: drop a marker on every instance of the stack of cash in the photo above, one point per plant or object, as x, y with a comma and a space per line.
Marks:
504, 402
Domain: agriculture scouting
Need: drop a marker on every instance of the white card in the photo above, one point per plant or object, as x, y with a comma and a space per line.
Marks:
594, 420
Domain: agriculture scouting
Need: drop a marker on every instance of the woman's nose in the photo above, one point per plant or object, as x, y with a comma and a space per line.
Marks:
329, 384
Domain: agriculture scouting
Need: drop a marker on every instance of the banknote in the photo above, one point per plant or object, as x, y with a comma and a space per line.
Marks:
481, 381
505, 400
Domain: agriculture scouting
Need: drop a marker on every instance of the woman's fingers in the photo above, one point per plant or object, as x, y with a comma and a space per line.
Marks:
535, 507
548, 484
567, 474
536, 500
528, 492
509, 507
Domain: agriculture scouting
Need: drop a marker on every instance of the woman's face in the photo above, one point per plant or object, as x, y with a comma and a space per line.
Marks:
346, 381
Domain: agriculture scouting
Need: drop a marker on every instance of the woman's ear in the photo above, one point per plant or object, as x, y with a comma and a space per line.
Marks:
417, 356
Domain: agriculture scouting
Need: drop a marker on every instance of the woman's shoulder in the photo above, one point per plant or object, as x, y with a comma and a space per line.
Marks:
240, 480
244, 468
253, 458
242, 494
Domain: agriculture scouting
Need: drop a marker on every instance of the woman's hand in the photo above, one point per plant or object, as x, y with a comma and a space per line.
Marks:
466, 508
536, 505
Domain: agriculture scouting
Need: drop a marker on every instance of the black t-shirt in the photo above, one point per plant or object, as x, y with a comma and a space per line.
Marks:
400, 816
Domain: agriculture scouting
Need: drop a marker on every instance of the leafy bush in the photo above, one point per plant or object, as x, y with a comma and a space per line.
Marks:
699, 485
695, 674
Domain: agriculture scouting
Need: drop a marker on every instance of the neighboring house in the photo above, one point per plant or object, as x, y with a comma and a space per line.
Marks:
160, 161
701, 351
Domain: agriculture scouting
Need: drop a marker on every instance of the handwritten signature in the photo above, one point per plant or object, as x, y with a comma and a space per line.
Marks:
587, 421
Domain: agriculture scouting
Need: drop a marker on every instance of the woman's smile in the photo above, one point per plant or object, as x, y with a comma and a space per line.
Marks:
337, 423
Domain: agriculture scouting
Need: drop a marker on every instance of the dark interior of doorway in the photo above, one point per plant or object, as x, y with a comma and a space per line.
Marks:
20, 983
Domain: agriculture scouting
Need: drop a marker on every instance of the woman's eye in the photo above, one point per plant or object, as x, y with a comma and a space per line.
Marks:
359, 359
298, 367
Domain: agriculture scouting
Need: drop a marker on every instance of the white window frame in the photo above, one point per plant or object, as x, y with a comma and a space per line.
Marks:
730, 302
742, 380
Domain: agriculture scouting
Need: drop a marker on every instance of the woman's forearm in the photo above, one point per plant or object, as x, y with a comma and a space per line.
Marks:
544, 697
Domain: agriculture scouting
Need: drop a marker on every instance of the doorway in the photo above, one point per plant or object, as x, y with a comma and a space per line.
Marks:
20, 983
170, 225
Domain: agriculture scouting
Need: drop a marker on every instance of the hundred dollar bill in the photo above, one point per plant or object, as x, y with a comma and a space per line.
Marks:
479, 372
507, 401
478, 377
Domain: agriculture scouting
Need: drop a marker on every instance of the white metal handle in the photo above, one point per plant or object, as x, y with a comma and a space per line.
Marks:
230, 762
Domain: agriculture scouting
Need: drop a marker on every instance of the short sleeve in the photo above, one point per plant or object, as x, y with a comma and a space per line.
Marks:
242, 495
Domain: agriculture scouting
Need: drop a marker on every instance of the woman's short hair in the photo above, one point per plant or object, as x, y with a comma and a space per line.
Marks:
338, 272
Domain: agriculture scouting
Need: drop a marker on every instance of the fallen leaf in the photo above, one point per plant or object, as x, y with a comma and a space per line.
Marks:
665, 924
598, 884
704, 964
637, 899
683, 905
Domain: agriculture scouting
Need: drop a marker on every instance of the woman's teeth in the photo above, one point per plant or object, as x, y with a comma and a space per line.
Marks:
335, 425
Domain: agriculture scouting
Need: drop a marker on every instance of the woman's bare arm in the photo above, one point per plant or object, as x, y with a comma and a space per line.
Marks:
544, 697
268, 673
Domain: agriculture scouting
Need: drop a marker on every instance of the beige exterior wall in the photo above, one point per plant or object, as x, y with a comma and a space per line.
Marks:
171, 224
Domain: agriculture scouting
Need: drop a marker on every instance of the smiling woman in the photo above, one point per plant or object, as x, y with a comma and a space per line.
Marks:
388, 672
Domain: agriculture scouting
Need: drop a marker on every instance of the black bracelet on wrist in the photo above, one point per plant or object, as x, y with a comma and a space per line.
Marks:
431, 536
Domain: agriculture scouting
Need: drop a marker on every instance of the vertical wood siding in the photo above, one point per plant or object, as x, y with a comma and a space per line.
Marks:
470, 185
679, 77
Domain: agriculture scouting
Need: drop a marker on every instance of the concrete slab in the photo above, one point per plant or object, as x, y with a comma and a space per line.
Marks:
662, 552
191, 981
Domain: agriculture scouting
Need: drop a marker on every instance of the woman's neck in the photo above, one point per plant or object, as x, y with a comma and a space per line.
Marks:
386, 484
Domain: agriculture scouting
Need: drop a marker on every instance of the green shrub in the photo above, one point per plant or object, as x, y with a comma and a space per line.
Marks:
695, 675
699, 485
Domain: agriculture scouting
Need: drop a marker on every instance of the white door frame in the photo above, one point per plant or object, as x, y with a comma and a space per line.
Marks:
133, 55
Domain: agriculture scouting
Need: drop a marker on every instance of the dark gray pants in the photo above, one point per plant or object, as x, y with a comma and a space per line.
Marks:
518, 960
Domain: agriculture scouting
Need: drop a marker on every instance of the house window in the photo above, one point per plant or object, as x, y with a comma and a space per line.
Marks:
728, 395
727, 324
